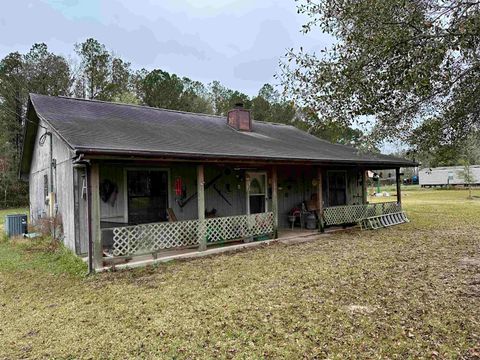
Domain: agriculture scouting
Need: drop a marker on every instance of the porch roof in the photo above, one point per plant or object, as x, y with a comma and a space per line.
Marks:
105, 128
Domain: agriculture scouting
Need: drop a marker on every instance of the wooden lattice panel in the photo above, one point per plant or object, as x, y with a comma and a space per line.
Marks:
148, 238
348, 214
236, 227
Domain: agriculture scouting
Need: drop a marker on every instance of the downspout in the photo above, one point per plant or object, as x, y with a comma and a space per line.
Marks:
51, 161
86, 164
53, 198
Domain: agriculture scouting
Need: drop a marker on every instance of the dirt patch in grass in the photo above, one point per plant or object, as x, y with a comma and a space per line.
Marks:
399, 293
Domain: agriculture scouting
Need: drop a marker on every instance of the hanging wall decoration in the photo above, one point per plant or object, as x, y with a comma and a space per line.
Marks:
108, 192
178, 186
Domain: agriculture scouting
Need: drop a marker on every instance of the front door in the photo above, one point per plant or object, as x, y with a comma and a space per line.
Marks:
337, 188
256, 192
147, 192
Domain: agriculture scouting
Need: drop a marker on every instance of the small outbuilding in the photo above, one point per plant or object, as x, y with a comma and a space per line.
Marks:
131, 180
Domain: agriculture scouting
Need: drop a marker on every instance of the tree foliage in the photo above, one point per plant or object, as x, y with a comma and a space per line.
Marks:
395, 63
101, 75
37, 71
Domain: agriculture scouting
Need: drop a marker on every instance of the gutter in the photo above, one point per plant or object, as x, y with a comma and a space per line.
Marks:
218, 157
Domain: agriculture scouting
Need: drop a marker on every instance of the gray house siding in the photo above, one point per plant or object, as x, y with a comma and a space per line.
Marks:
229, 184
62, 183
295, 185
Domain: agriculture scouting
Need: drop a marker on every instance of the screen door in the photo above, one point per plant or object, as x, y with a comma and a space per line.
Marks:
337, 188
256, 192
147, 196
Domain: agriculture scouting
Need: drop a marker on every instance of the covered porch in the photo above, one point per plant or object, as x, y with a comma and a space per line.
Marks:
155, 210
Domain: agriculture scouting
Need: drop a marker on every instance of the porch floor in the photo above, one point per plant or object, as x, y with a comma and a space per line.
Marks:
285, 236
295, 232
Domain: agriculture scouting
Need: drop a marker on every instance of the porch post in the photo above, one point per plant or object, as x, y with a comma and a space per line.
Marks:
275, 201
399, 190
321, 227
95, 216
202, 241
364, 186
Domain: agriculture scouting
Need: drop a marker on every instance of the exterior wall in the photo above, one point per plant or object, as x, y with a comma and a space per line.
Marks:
354, 187
231, 185
113, 211
439, 176
62, 183
295, 185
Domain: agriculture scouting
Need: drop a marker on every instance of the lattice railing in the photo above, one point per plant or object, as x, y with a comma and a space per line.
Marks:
348, 214
149, 238
236, 227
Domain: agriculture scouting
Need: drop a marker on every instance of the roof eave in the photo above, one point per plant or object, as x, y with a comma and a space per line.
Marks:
115, 153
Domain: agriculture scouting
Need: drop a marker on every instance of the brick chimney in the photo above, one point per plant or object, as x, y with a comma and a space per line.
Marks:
240, 118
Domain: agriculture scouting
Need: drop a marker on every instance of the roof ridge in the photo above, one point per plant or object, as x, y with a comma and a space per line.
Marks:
129, 105
153, 107
272, 122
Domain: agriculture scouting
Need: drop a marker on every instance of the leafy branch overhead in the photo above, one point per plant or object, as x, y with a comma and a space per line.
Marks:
394, 64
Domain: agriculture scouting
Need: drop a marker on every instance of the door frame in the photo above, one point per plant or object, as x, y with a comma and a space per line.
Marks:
247, 188
125, 188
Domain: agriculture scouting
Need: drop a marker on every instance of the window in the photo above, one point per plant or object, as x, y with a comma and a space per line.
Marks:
337, 188
147, 196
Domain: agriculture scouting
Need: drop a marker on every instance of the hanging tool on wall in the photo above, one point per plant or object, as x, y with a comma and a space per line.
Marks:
221, 195
182, 203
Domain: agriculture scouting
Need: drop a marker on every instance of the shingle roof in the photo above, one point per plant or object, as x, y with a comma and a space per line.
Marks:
104, 127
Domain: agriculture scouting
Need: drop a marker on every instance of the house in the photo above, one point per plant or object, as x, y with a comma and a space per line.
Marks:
447, 175
131, 180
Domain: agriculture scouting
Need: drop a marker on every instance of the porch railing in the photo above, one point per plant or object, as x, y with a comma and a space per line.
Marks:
150, 238
348, 214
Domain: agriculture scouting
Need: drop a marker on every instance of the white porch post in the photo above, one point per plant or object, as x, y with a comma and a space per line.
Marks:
95, 216
275, 201
399, 190
202, 241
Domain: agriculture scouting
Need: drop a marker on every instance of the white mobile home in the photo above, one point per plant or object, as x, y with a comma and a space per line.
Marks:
447, 175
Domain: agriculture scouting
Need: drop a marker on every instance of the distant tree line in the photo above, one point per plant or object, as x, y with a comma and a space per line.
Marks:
96, 73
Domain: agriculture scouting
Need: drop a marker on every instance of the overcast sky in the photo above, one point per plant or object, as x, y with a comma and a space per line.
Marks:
238, 42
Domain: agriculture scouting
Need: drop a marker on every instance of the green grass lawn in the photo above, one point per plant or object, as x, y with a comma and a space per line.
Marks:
411, 291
